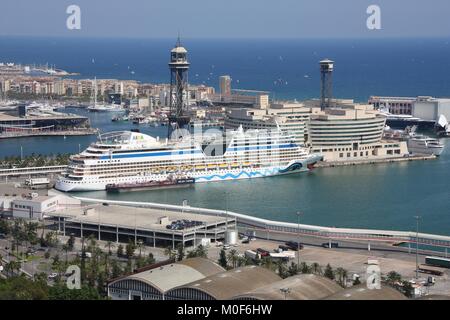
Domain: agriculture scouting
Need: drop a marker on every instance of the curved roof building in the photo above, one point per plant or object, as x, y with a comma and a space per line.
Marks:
300, 287
361, 292
154, 283
225, 285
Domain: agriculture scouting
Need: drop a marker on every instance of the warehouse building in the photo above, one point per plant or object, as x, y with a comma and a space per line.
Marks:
299, 287
361, 292
153, 283
33, 205
224, 285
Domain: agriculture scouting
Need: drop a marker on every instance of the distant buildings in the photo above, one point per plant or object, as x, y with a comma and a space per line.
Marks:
225, 85
290, 117
350, 131
422, 107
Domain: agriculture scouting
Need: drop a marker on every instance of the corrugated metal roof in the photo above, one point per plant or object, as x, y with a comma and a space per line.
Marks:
361, 292
176, 274
228, 284
300, 287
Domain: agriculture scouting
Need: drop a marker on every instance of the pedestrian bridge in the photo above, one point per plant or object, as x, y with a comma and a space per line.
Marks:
271, 227
16, 172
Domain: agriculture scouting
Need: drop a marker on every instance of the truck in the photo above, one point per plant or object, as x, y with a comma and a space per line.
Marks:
252, 255
285, 255
35, 182
437, 262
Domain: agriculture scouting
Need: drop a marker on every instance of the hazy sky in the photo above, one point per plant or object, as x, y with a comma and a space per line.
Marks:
226, 18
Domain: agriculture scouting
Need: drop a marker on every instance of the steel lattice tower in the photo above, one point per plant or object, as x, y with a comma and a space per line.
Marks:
179, 66
326, 83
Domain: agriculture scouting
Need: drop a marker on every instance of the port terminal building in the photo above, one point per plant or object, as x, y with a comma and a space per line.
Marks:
288, 116
349, 131
344, 131
153, 226
425, 108
32, 204
22, 120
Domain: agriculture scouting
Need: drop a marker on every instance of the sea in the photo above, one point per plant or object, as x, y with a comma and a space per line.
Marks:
382, 196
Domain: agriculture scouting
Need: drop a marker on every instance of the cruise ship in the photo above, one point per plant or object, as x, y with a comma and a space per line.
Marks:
133, 157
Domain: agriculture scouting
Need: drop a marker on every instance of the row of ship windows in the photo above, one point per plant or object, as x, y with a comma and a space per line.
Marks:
269, 153
173, 169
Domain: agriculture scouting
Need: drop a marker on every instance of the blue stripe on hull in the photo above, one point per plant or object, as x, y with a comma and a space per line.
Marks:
295, 167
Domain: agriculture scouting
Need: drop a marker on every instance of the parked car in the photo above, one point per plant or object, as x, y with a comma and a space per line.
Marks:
283, 247
330, 245
293, 245
226, 247
263, 252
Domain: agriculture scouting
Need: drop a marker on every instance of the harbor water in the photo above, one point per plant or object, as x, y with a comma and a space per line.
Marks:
382, 196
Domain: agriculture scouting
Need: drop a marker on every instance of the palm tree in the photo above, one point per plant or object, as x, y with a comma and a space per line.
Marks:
140, 244
202, 251
341, 275
282, 269
393, 278
180, 252
65, 247
170, 253
304, 268
233, 257
293, 269
316, 269
223, 262
109, 245
267, 262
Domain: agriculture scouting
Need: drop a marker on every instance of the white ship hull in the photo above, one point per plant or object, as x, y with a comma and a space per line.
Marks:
93, 184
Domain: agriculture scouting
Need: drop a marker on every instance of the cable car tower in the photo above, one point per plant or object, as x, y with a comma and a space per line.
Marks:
179, 66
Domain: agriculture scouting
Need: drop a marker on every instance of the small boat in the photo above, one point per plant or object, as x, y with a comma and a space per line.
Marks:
419, 144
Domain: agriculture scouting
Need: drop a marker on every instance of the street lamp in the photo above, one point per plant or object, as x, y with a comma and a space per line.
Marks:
417, 246
298, 239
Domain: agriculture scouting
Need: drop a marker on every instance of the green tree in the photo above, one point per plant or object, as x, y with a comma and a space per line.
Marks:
328, 273
316, 269
116, 270
180, 252
21, 288
4, 227
109, 245
129, 249
282, 269
140, 245
267, 263
202, 251
304, 268
341, 275
293, 269
71, 242
170, 253
407, 289
61, 292
150, 259
393, 278
223, 259
120, 250
233, 257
